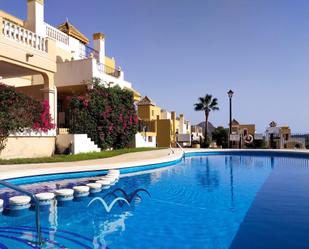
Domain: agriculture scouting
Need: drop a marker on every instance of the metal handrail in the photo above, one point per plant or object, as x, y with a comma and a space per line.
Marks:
37, 207
183, 151
173, 152
108, 70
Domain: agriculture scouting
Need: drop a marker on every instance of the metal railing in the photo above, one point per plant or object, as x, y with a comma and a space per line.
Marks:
91, 52
37, 207
173, 152
108, 70
183, 151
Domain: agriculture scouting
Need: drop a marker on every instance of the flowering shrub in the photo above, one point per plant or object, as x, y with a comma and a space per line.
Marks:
19, 112
106, 114
45, 122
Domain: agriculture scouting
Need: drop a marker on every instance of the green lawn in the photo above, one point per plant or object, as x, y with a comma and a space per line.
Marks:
73, 158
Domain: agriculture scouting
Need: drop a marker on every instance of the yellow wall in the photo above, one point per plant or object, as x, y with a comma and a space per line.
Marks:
163, 133
249, 127
110, 62
238, 129
148, 112
285, 130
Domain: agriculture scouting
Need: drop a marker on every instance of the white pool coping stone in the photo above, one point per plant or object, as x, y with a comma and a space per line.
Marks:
134, 159
19, 202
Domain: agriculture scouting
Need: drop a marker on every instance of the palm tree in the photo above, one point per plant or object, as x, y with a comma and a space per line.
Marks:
206, 104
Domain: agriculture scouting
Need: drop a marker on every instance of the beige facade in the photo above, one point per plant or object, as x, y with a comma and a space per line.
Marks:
49, 63
242, 134
28, 147
280, 137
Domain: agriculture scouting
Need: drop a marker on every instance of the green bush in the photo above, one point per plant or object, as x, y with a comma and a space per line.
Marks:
220, 135
106, 114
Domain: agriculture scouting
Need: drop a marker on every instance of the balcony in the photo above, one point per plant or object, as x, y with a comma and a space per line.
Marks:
108, 70
57, 35
23, 36
23, 52
81, 72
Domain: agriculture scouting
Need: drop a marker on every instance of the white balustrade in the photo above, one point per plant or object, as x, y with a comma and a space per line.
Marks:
56, 34
24, 36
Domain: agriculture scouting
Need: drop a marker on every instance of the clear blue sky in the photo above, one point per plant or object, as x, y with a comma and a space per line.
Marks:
177, 50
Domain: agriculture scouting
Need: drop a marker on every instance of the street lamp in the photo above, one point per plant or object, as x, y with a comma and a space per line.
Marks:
230, 94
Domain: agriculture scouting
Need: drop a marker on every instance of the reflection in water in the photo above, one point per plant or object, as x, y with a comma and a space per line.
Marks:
207, 176
211, 195
231, 183
102, 228
53, 220
272, 162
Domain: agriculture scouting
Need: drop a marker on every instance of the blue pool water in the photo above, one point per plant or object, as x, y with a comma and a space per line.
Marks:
206, 202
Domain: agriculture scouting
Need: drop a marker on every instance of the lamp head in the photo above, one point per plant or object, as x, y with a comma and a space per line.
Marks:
230, 93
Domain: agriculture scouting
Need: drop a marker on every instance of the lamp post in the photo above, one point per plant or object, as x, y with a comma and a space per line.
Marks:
230, 94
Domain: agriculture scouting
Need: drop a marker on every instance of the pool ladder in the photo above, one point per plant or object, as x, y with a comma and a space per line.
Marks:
37, 207
183, 151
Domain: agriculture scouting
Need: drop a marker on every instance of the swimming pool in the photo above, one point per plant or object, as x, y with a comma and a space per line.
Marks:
205, 201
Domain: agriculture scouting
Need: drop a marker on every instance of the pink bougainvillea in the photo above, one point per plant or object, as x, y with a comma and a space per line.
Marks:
45, 123
108, 117
19, 112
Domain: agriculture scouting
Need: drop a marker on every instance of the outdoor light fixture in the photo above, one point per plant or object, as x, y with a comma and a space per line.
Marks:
28, 55
230, 94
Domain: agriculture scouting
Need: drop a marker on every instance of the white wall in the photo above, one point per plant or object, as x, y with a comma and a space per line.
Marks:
140, 141
79, 71
80, 143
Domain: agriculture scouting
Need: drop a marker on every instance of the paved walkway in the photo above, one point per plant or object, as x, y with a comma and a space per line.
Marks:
121, 161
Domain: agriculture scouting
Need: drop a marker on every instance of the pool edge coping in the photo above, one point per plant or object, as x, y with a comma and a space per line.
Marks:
172, 158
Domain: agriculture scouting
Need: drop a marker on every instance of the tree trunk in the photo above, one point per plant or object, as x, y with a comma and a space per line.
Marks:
206, 126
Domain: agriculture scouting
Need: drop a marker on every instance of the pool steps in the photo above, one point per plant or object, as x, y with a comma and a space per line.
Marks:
22, 202
81, 191
94, 187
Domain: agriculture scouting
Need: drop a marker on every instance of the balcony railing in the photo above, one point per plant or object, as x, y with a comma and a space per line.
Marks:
87, 52
56, 34
108, 70
24, 36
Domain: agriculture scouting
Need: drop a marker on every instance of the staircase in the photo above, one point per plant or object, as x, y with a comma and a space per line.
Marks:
79, 143
83, 144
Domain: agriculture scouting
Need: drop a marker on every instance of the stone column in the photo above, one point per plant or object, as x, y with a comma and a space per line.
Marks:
35, 17
99, 45
50, 94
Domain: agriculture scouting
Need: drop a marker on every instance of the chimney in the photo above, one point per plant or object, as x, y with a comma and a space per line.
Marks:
35, 17
99, 45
